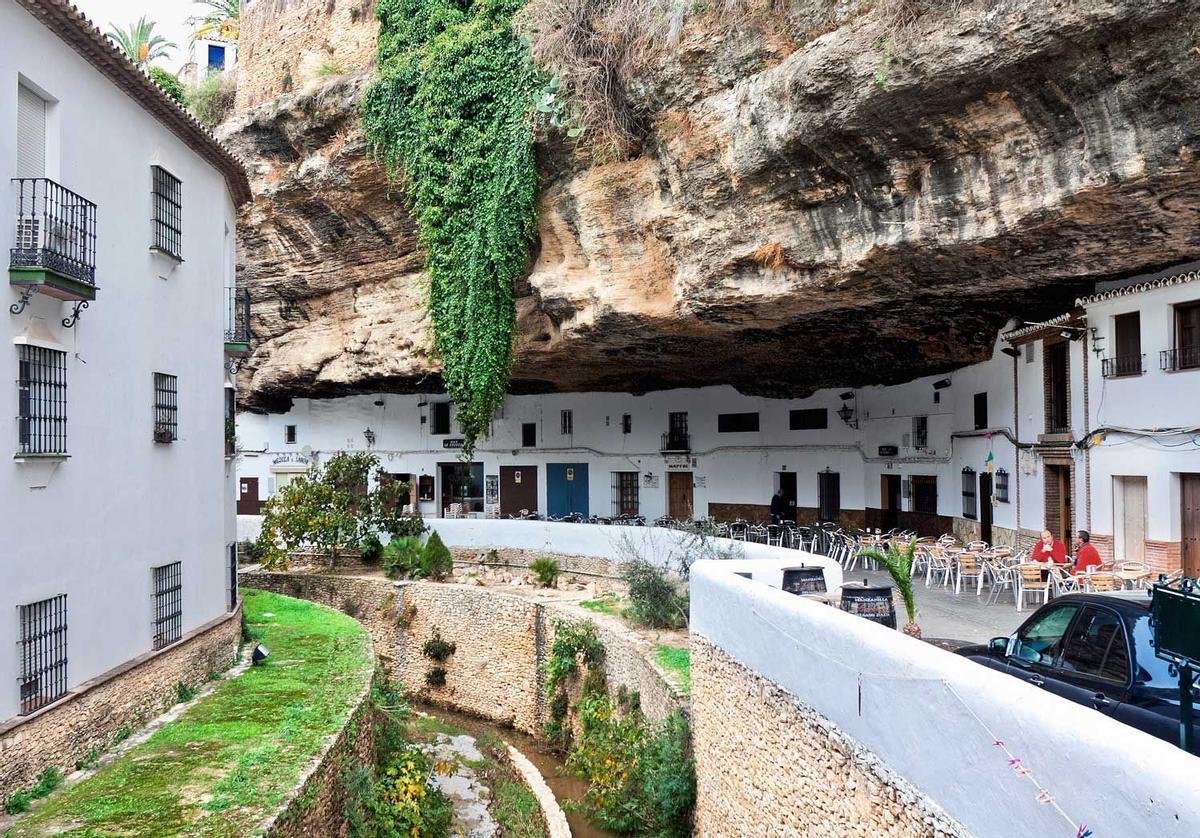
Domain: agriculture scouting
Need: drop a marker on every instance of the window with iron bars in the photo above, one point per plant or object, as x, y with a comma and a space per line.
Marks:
232, 551
166, 407
625, 493
167, 197
567, 422
168, 604
1001, 486
43, 652
968, 493
41, 400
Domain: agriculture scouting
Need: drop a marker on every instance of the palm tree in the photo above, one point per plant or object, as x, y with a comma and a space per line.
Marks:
139, 43
898, 562
223, 19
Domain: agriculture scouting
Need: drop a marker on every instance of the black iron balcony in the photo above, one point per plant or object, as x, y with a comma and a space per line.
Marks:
676, 441
1122, 365
1180, 358
237, 321
55, 249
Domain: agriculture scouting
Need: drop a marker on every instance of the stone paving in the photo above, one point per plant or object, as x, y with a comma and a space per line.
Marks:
456, 777
965, 617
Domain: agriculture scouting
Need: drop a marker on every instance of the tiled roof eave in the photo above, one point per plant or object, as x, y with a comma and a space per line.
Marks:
1139, 288
68, 23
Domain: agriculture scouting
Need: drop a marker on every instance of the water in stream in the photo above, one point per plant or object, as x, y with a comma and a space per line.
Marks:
565, 785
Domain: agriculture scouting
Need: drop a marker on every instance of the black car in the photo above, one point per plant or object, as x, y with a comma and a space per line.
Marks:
1096, 650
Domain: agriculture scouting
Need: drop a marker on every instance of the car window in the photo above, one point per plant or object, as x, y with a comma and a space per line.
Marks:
1041, 640
1151, 670
1096, 646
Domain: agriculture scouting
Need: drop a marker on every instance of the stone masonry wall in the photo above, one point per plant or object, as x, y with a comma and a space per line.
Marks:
501, 640
318, 805
134, 693
285, 45
767, 765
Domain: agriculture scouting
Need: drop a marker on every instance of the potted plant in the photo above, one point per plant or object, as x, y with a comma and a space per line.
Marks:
898, 562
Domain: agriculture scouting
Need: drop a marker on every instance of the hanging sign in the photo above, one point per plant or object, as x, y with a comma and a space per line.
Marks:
517, 477
455, 442
570, 474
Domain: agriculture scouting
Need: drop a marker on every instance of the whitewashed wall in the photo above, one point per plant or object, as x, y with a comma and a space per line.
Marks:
932, 717
121, 504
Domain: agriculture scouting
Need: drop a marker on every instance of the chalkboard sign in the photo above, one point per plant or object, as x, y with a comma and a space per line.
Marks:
804, 580
871, 603
1175, 617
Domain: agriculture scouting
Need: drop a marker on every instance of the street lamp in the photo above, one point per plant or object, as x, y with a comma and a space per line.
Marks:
370, 437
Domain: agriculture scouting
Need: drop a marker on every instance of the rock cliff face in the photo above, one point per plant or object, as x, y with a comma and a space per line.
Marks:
829, 209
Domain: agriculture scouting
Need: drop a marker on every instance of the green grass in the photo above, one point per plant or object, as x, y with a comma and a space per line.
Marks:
677, 662
220, 768
604, 604
515, 807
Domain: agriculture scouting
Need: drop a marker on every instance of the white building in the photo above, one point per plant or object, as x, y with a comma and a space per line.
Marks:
119, 222
1060, 429
215, 52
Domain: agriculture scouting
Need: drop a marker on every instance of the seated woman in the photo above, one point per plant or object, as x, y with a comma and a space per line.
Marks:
1049, 549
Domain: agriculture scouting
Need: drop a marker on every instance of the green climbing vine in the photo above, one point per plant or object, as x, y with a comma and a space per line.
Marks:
452, 118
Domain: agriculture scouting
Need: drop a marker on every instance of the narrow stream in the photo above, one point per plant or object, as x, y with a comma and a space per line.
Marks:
565, 785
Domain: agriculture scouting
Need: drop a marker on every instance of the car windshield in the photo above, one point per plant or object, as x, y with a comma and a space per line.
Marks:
1041, 640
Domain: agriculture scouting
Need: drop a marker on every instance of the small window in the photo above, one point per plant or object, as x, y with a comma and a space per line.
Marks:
626, 424
1096, 647
924, 494
440, 422
1002, 486
737, 423
425, 487
625, 493
567, 422
968, 493
42, 650
810, 419
168, 604
289, 434
529, 435
981, 413
41, 400
216, 57
166, 407
920, 432
167, 196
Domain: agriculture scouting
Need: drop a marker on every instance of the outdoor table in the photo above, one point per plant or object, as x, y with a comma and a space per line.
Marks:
1132, 577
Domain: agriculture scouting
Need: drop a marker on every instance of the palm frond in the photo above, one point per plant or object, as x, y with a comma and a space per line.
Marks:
898, 563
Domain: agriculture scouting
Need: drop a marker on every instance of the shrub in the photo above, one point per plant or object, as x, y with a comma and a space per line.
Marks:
404, 803
184, 692
438, 649
400, 526
654, 599
436, 561
370, 550
401, 557
211, 99
17, 802
436, 677
546, 571
170, 84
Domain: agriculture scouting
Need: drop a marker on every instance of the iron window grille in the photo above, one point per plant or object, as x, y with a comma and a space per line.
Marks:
166, 407
56, 230
43, 652
1120, 366
237, 315
567, 422
920, 432
1001, 486
232, 588
168, 603
626, 424
167, 196
968, 493
41, 400
625, 493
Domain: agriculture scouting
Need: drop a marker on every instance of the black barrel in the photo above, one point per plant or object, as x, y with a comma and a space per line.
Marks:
871, 602
804, 580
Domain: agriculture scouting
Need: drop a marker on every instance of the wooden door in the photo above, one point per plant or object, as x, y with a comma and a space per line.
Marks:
889, 500
1059, 515
787, 488
985, 507
1130, 518
567, 489
248, 502
1189, 485
679, 495
518, 490
829, 495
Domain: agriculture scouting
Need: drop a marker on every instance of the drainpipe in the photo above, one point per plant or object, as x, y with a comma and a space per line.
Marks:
1087, 452
1017, 446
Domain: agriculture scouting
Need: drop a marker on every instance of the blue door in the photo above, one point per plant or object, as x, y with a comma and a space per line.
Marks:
566, 489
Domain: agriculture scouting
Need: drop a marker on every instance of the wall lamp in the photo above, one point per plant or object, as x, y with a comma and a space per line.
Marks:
941, 384
847, 413
370, 437
1011, 351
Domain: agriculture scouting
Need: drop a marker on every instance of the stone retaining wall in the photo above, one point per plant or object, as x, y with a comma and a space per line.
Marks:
318, 804
501, 639
768, 765
128, 696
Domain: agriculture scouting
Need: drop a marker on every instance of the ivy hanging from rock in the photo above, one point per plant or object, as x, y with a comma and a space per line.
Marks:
451, 117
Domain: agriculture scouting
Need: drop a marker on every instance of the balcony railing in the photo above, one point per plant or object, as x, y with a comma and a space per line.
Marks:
56, 234
1180, 358
676, 441
237, 316
1122, 365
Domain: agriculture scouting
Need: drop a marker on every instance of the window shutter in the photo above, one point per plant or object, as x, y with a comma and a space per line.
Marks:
31, 133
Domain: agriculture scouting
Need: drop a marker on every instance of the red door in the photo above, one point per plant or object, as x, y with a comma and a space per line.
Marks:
248, 502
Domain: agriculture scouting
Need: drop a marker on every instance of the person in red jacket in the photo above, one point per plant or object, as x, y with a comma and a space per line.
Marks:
1049, 549
1086, 556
